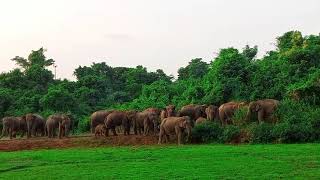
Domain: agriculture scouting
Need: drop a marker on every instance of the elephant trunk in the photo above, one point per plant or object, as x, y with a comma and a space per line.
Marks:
189, 129
248, 116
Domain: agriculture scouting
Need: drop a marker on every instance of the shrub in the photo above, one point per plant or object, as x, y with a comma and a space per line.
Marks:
239, 117
230, 133
292, 133
299, 122
261, 133
315, 123
206, 132
83, 125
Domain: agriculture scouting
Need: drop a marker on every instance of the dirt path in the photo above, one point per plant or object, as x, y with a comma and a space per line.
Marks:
75, 141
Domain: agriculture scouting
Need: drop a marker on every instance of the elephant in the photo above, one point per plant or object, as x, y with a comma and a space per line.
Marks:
100, 130
146, 121
169, 111
35, 124
264, 108
227, 110
119, 118
175, 125
212, 113
60, 121
200, 120
98, 117
193, 111
12, 125
153, 110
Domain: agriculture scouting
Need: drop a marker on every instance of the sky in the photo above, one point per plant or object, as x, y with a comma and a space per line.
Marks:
158, 34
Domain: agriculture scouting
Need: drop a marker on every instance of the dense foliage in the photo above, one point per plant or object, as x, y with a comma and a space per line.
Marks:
290, 73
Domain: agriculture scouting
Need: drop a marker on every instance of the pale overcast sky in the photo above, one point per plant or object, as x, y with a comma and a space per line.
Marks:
157, 34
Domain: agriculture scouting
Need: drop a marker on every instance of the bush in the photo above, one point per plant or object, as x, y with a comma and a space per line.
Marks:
293, 133
239, 117
316, 129
261, 133
230, 133
299, 122
83, 125
206, 132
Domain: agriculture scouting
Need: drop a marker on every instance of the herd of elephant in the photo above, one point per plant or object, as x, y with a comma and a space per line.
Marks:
162, 122
35, 125
168, 121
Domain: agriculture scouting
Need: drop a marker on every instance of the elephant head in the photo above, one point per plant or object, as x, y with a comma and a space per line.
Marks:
131, 116
201, 111
154, 118
170, 110
185, 123
253, 108
64, 125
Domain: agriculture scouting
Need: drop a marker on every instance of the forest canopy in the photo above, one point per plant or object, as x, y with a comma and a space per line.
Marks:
291, 71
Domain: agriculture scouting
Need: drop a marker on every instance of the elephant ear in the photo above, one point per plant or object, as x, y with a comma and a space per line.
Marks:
258, 107
182, 123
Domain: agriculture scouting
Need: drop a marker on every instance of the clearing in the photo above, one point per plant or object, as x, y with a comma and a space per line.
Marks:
293, 161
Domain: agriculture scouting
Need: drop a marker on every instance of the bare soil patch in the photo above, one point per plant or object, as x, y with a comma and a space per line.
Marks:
75, 141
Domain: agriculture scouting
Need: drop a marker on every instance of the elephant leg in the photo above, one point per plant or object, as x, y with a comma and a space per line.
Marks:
28, 130
178, 133
4, 130
135, 131
14, 134
107, 132
160, 137
51, 132
10, 132
60, 131
114, 131
260, 116
34, 131
125, 130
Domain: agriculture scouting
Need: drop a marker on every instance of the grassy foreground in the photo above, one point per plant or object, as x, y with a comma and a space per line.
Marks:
190, 162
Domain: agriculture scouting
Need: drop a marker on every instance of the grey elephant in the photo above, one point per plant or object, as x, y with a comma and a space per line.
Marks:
58, 121
35, 125
193, 111
98, 117
212, 113
13, 125
119, 118
264, 109
227, 110
175, 126
146, 121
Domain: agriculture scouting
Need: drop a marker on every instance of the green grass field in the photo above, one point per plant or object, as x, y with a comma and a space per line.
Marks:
300, 161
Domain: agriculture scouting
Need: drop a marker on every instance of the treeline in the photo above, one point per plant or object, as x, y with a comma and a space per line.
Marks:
291, 71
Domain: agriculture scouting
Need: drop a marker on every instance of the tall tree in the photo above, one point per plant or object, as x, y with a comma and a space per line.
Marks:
35, 58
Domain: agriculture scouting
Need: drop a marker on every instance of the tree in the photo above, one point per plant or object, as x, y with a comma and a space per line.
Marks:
35, 58
195, 69
228, 78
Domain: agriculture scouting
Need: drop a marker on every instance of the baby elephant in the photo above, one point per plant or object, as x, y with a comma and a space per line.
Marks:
175, 125
100, 130
200, 120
